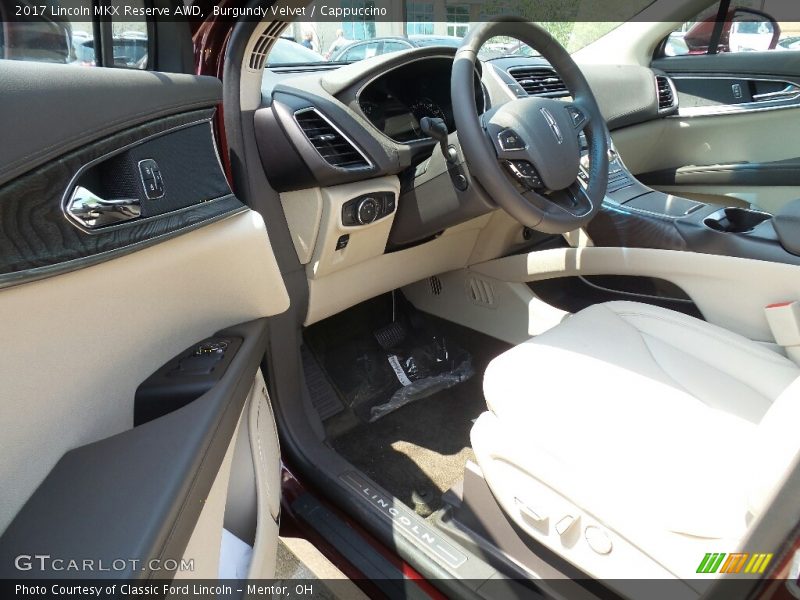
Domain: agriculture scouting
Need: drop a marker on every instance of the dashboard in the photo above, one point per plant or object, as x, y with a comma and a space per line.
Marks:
395, 102
327, 125
370, 201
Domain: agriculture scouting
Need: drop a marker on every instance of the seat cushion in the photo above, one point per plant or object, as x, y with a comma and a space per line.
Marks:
635, 417
709, 365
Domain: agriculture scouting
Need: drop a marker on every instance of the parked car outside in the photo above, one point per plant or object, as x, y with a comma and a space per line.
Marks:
789, 43
362, 49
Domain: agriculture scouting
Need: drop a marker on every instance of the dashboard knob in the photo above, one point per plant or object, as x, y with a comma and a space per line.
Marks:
367, 211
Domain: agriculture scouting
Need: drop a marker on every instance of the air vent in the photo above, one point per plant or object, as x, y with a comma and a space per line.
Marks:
539, 81
666, 93
258, 56
480, 291
334, 147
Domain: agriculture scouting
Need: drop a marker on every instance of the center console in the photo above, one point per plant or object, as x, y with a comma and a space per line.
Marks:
636, 216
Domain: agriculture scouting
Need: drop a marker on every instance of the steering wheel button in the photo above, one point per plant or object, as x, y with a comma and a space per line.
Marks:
577, 116
525, 173
526, 168
509, 140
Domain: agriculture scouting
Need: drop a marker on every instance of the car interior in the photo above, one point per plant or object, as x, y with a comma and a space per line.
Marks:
529, 317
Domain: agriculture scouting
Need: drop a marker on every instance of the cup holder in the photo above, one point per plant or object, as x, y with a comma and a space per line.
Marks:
735, 220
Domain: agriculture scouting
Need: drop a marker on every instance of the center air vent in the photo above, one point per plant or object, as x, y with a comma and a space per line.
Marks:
539, 81
666, 93
331, 144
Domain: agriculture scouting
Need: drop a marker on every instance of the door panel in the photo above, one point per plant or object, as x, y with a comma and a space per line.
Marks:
91, 307
672, 146
138, 495
755, 64
245, 496
71, 107
38, 238
677, 142
99, 332
732, 94
733, 138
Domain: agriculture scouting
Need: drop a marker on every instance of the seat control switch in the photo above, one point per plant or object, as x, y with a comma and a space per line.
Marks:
564, 524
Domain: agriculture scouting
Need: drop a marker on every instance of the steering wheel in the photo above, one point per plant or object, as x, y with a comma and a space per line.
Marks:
526, 153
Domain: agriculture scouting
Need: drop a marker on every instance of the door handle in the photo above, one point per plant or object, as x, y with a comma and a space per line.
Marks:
790, 92
93, 212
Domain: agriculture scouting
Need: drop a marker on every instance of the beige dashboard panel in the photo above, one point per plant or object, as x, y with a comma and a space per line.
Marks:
730, 292
347, 287
303, 210
508, 311
104, 329
365, 241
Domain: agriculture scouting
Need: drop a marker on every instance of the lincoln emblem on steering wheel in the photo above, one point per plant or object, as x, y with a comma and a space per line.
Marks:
553, 125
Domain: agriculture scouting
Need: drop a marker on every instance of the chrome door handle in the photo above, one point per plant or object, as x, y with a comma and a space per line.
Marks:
790, 92
92, 212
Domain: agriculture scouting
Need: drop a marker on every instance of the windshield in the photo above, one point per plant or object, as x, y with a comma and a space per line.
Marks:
286, 51
428, 23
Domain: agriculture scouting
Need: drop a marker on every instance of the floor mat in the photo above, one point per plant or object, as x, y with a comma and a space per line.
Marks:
385, 359
419, 451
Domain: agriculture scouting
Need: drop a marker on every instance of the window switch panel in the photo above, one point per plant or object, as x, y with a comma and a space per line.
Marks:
152, 181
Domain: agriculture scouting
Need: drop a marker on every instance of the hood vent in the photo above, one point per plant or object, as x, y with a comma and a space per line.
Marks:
331, 143
666, 93
539, 81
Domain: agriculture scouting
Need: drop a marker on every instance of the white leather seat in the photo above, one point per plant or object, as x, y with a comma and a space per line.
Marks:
638, 428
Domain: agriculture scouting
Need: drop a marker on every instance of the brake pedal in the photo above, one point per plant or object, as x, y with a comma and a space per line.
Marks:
391, 336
